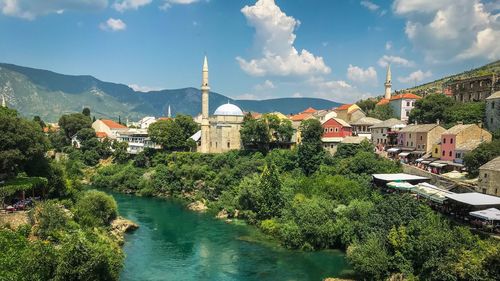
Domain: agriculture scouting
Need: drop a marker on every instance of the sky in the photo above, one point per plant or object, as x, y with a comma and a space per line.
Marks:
332, 49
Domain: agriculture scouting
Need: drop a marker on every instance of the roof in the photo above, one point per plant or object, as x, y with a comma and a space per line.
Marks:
164, 118
309, 110
354, 139
422, 128
475, 199
468, 145
101, 135
406, 96
491, 214
383, 101
228, 110
196, 136
493, 165
340, 121
344, 107
398, 177
389, 123
112, 124
331, 139
300, 116
495, 95
256, 115
457, 129
366, 121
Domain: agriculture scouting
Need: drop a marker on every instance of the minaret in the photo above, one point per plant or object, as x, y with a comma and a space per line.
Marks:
4, 104
205, 125
169, 114
388, 83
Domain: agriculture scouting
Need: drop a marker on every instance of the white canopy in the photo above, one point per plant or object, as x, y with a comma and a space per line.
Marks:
475, 199
398, 177
491, 214
404, 154
393, 149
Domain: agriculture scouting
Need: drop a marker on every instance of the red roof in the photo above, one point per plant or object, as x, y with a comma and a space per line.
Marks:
256, 115
164, 118
112, 124
101, 135
344, 107
406, 96
382, 102
300, 116
309, 110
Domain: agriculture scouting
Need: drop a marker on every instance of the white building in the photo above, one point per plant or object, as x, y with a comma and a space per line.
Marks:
137, 140
108, 127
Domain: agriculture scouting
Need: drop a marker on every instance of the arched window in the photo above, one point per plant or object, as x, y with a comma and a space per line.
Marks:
449, 154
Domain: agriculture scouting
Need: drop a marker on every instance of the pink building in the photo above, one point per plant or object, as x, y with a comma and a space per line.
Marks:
459, 139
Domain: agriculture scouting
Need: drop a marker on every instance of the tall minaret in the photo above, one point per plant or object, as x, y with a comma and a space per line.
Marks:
388, 83
169, 114
4, 104
205, 125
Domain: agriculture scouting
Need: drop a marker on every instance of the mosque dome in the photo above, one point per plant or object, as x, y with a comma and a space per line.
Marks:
228, 110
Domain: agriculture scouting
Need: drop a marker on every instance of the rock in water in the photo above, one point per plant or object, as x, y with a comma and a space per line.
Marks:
120, 226
197, 206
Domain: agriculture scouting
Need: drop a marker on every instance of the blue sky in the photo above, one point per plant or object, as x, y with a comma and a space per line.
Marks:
257, 49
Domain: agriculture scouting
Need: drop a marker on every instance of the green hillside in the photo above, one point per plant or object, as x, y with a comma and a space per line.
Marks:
437, 85
49, 94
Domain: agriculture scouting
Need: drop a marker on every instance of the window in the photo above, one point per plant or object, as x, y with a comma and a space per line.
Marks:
331, 145
410, 135
406, 143
421, 137
485, 175
471, 85
457, 155
326, 130
443, 153
336, 130
451, 153
423, 146
436, 150
491, 121
407, 103
407, 113
492, 105
484, 190
451, 140
444, 140
411, 143
228, 144
331, 130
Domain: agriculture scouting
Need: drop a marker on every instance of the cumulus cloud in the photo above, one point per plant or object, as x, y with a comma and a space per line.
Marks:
168, 3
415, 77
336, 90
246, 97
123, 5
144, 89
113, 25
358, 74
266, 85
297, 95
385, 60
388, 45
369, 5
275, 35
451, 29
30, 9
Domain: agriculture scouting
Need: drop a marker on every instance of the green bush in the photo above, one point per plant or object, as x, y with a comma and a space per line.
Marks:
95, 208
49, 220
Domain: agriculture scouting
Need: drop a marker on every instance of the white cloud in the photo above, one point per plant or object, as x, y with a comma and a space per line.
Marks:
358, 74
145, 89
388, 45
415, 77
370, 5
266, 85
169, 3
113, 25
385, 60
451, 29
297, 95
336, 90
246, 97
275, 36
30, 9
123, 5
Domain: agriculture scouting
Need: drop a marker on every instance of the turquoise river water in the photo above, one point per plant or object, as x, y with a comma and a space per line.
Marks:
173, 243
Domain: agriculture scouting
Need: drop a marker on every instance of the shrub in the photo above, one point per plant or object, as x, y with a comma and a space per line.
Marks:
95, 208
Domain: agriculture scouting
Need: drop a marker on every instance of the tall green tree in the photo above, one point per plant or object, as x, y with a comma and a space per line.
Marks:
468, 112
39, 120
482, 154
169, 134
367, 105
310, 152
382, 112
431, 108
187, 125
72, 123
270, 200
86, 112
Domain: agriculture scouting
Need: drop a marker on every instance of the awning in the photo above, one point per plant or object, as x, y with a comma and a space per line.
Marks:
426, 162
491, 214
400, 185
431, 192
394, 149
404, 154
417, 152
419, 160
475, 199
438, 165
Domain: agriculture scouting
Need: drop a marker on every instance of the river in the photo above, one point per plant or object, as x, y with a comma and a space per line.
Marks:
173, 243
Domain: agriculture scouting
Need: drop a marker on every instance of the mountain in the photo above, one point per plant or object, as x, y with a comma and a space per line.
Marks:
49, 95
436, 86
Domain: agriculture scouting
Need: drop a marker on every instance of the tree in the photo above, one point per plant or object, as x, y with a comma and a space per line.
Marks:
255, 134
369, 258
367, 105
86, 134
95, 209
345, 150
72, 123
310, 152
120, 154
270, 200
468, 112
431, 108
482, 154
169, 134
382, 112
50, 221
91, 158
39, 120
86, 111
187, 125
21, 141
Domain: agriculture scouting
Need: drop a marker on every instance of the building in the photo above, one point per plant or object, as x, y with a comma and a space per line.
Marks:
349, 112
334, 131
296, 120
220, 132
493, 112
137, 140
361, 127
420, 138
489, 178
323, 115
385, 133
460, 139
474, 89
402, 105
145, 122
388, 88
109, 127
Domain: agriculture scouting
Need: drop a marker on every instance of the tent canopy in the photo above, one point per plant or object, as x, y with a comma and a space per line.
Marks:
491, 214
404, 154
400, 185
394, 149
475, 199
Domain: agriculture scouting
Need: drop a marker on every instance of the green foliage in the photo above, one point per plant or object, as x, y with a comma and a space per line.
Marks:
270, 200
482, 154
310, 152
173, 134
367, 105
369, 258
86, 111
120, 154
265, 133
91, 158
468, 112
382, 112
86, 134
431, 108
39, 121
345, 150
72, 123
95, 208
49, 220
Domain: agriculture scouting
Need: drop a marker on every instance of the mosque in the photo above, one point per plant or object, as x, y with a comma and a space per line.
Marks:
221, 132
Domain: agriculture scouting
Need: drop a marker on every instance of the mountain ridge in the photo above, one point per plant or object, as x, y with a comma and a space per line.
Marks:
49, 94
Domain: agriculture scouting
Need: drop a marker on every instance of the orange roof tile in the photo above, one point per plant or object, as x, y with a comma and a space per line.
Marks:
309, 110
101, 135
406, 96
300, 116
112, 124
382, 102
344, 107
256, 115
164, 118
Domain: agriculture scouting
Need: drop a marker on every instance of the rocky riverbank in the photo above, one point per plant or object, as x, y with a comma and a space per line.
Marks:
120, 226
